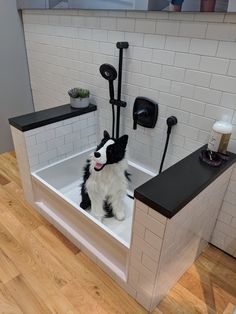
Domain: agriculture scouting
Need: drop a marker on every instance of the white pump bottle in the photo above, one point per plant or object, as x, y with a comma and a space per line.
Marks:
220, 136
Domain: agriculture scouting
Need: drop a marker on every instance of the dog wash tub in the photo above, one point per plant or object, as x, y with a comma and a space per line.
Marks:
57, 190
52, 147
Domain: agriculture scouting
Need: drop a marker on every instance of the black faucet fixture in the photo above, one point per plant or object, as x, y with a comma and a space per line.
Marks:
145, 112
138, 116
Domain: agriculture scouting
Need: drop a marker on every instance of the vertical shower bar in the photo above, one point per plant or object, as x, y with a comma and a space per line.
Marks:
120, 45
119, 92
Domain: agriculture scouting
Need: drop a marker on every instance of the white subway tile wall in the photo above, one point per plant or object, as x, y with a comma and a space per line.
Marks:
146, 245
53, 142
185, 62
224, 235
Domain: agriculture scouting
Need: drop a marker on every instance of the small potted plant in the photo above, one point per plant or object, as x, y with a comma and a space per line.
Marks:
79, 97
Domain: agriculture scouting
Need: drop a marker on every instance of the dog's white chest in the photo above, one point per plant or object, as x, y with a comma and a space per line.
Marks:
107, 181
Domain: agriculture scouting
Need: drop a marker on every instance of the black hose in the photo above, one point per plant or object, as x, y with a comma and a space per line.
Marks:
171, 121
165, 149
130, 196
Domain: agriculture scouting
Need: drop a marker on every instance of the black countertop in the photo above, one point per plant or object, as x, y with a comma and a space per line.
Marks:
170, 191
40, 118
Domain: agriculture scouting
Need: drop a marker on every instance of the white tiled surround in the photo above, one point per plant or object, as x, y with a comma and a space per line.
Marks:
162, 249
23, 163
59, 140
224, 235
147, 237
187, 234
186, 62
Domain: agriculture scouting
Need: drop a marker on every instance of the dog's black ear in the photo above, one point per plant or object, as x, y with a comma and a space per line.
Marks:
106, 135
122, 141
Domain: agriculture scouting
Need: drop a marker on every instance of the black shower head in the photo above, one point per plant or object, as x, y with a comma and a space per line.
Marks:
108, 72
122, 45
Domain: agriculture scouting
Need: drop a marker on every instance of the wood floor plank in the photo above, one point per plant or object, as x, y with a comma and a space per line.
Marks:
157, 311
222, 276
8, 175
207, 291
17, 195
62, 253
230, 309
3, 180
36, 250
8, 270
7, 303
26, 264
44, 285
9, 168
180, 300
14, 251
59, 304
219, 257
24, 296
9, 163
11, 153
20, 212
83, 300
97, 299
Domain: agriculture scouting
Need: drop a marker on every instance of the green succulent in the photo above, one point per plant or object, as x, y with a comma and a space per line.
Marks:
79, 93
83, 93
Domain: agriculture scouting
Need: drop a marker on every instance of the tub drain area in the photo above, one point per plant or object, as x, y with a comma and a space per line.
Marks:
122, 229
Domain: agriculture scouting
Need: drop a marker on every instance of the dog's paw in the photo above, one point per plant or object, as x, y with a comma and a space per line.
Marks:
120, 216
84, 205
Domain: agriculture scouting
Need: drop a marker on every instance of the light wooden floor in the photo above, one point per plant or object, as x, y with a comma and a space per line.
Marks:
42, 272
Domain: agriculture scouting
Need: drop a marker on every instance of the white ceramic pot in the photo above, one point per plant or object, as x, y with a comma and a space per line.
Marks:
79, 102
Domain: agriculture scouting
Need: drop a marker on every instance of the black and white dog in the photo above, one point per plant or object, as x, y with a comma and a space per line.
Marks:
105, 179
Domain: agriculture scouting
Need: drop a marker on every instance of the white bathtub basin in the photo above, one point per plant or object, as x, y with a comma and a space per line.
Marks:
57, 192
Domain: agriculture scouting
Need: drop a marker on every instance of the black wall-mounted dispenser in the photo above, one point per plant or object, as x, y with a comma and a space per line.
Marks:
145, 112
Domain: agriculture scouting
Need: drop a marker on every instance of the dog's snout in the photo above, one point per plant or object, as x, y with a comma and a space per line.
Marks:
97, 154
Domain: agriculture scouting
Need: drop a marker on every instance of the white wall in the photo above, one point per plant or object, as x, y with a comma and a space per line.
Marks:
15, 93
186, 62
